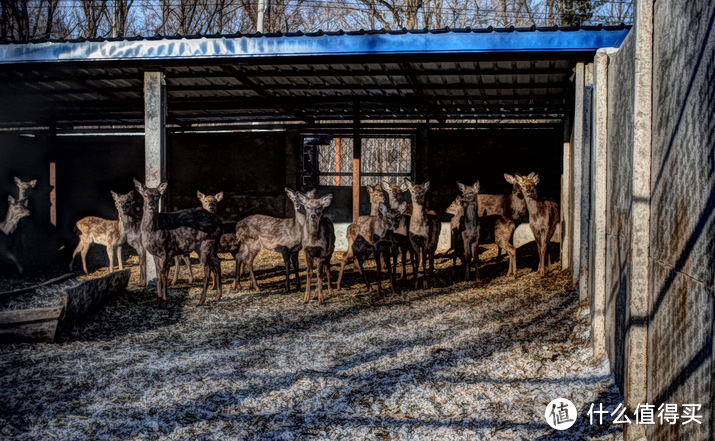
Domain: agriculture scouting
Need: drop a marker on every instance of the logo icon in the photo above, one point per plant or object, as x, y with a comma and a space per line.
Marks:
560, 414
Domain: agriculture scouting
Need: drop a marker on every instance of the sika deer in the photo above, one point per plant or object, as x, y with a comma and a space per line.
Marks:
376, 196
132, 229
456, 209
16, 211
424, 232
401, 235
167, 235
109, 233
285, 236
318, 242
24, 188
470, 227
543, 215
374, 234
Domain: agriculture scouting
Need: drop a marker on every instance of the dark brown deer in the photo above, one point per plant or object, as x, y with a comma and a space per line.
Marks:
16, 210
401, 235
374, 235
285, 236
543, 215
167, 235
131, 224
456, 209
424, 232
470, 227
318, 242
93, 229
24, 188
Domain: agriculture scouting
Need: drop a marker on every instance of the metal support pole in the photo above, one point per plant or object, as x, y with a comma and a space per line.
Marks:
261, 18
154, 141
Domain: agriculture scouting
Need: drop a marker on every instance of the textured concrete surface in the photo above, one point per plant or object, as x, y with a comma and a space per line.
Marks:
682, 241
566, 204
586, 187
577, 172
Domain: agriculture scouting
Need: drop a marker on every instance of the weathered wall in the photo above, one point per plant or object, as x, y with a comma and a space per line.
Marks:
682, 245
621, 71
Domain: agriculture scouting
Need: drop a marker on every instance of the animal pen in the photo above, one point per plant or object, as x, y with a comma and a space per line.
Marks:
250, 115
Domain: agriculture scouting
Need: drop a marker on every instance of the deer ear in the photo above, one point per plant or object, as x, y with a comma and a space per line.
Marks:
519, 178
426, 185
382, 208
536, 178
409, 184
33, 183
476, 186
386, 186
402, 207
509, 178
26, 202
200, 195
17, 181
140, 188
219, 196
460, 186
115, 196
403, 187
311, 194
370, 189
10, 199
326, 200
290, 193
130, 195
458, 200
302, 199
162, 187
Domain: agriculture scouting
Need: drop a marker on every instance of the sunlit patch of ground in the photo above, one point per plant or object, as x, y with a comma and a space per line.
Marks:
459, 361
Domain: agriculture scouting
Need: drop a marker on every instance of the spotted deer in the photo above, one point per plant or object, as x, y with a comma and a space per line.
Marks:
318, 243
167, 235
543, 215
24, 188
456, 209
131, 224
424, 233
17, 209
93, 229
374, 235
401, 235
285, 236
470, 227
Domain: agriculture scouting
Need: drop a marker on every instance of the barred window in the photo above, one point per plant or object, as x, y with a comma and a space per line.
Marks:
330, 160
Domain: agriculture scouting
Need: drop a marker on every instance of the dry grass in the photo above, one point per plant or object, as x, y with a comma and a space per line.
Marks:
460, 361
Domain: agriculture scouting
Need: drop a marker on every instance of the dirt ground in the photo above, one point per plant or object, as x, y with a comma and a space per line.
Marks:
458, 361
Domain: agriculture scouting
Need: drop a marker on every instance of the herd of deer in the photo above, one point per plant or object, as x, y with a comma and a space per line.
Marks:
388, 231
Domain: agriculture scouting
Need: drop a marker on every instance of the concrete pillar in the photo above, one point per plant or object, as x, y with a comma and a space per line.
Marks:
566, 197
292, 178
577, 176
637, 333
599, 151
585, 202
154, 141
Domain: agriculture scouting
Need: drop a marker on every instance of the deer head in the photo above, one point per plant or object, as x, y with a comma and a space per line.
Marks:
16, 211
456, 208
376, 194
528, 184
394, 192
151, 195
124, 203
392, 216
469, 194
293, 196
209, 203
516, 189
313, 207
417, 191
25, 188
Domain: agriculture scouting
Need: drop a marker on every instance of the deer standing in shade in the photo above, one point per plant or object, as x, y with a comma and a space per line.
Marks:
424, 232
401, 236
16, 210
318, 242
131, 225
93, 229
167, 235
456, 209
285, 236
376, 197
543, 215
374, 235
24, 188
469, 227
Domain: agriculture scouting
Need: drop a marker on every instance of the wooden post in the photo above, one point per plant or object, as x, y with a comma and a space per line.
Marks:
357, 151
53, 195
337, 161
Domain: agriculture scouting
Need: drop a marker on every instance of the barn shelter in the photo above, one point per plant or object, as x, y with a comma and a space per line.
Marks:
251, 114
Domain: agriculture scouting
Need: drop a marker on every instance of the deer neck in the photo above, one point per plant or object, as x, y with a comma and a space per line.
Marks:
150, 220
395, 202
418, 212
311, 231
532, 202
124, 224
517, 205
471, 209
9, 224
374, 209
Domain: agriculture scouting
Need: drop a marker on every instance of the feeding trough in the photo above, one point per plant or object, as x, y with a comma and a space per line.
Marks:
42, 325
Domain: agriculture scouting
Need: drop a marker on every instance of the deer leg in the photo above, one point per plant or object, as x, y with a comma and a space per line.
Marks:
390, 273
250, 271
320, 273
286, 262
207, 270
110, 254
177, 262
327, 274
475, 252
308, 275
142, 268
74, 253
467, 257
85, 249
361, 259
378, 267
164, 284
238, 269
346, 257
296, 269
217, 276
187, 261
418, 259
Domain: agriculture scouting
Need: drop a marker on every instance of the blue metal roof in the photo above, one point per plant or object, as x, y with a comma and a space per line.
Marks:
237, 46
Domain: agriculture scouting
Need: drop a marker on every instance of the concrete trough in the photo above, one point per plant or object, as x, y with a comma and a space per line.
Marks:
43, 325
